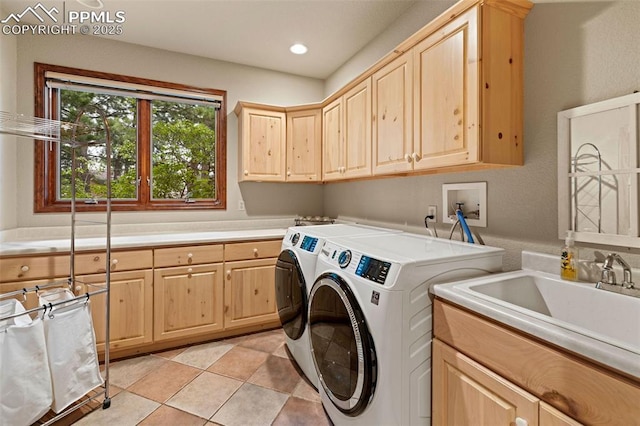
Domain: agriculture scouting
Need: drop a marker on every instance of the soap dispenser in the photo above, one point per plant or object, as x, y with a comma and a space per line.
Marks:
569, 259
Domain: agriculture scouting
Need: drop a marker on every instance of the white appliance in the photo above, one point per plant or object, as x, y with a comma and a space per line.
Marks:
295, 274
370, 322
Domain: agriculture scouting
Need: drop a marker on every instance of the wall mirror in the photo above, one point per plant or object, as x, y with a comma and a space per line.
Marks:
598, 172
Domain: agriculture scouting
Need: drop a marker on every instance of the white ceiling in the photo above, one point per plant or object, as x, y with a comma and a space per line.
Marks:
250, 32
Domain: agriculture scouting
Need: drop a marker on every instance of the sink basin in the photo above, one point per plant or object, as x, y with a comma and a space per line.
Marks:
579, 307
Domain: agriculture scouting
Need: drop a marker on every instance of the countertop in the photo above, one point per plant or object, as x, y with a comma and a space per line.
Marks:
62, 245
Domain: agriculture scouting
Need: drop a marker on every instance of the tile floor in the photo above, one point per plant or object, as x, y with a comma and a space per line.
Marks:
247, 380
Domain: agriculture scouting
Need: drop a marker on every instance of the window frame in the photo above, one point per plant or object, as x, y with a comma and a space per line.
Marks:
45, 163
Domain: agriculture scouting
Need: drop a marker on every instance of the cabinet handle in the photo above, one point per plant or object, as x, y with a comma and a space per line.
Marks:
190, 270
255, 252
24, 268
407, 157
190, 255
78, 289
115, 261
246, 172
521, 422
228, 274
289, 173
96, 258
416, 157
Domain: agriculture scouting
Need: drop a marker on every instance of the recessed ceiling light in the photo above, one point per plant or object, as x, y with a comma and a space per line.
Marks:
93, 4
298, 49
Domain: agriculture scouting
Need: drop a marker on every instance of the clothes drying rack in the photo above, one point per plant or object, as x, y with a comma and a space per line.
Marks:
73, 135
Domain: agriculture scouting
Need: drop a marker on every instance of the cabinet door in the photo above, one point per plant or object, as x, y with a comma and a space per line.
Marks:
263, 139
187, 301
357, 130
332, 141
130, 312
446, 108
466, 393
249, 293
392, 117
304, 151
549, 416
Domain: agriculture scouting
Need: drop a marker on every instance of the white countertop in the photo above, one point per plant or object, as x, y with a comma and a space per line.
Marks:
34, 246
607, 354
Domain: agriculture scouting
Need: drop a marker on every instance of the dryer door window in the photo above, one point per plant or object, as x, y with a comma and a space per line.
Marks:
291, 295
342, 347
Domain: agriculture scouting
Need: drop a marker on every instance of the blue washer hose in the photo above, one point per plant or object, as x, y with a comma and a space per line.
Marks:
464, 225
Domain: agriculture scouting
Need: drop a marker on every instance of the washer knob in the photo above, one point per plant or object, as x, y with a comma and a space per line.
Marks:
344, 258
295, 238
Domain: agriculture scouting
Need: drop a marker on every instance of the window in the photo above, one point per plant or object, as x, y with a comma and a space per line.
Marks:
168, 142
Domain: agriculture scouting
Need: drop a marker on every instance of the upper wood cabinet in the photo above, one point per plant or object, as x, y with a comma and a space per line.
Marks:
448, 98
278, 144
392, 92
261, 143
446, 119
304, 145
346, 134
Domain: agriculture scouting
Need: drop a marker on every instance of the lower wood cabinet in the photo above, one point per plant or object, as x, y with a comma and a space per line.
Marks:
131, 316
249, 293
567, 389
467, 393
188, 301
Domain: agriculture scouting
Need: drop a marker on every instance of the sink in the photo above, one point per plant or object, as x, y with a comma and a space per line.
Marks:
609, 317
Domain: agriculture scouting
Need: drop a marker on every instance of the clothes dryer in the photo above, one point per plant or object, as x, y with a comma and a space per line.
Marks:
370, 322
294, 276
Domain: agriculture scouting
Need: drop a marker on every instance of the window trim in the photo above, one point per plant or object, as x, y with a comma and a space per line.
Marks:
45, 165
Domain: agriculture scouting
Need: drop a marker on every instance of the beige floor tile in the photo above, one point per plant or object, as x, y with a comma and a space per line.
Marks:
276, 373
251, 405
162, 383
306, 391
205, 394
282, 351
300, 412
170, 354
126, 409
169, 416
239, 363
124, 373
268, 342
202, 356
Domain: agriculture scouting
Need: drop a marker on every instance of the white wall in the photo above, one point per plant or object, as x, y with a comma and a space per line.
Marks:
241, 83
8, 148
575, 53
407, 24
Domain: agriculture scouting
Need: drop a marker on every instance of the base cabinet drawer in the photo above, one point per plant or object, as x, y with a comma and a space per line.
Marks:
33, 268
130, 313
95, 263
188, 301
249, 293
252, 250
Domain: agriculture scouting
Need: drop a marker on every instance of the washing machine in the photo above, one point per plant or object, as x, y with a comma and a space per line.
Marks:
295, 273
370, 322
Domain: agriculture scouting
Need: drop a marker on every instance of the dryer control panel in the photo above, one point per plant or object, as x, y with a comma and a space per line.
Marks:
309, 243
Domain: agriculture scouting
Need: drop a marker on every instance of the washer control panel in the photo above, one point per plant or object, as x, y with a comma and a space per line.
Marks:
373, 269
356, 263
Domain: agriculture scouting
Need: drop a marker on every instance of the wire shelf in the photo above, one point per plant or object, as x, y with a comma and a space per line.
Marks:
44, 129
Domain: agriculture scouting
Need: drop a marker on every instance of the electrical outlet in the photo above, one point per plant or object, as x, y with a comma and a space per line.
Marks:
433, 212
241, 205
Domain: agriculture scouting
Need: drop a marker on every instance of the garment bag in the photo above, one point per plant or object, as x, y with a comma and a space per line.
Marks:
71, 348
25, 380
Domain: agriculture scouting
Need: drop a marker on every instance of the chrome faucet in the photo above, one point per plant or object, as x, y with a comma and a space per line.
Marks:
608, 277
